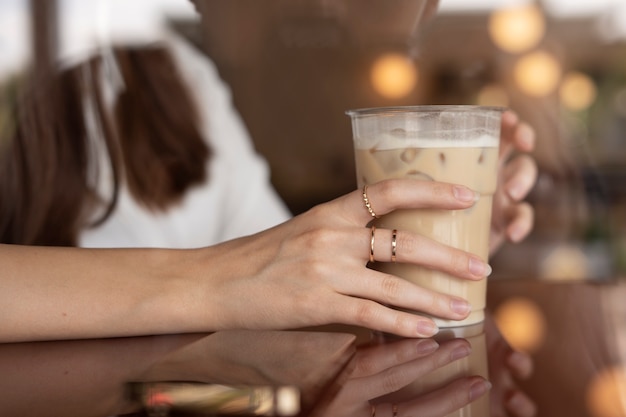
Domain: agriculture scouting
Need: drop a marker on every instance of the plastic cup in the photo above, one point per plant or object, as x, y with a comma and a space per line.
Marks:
453, 144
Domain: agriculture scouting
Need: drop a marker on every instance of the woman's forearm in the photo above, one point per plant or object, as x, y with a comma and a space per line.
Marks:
61, 293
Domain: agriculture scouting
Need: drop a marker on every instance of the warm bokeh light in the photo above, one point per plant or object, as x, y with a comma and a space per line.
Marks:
606, 394
565, 263
517, 29
522, 323
394, 75
537, 74
492, 95
577, 91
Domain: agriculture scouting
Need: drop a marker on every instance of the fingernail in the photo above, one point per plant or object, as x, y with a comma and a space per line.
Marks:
515, 234
479, 268
426, 346
460, 352
526, 134
465, 194
460, 306
478, 389
521, 404
427, 328
515, 191
521, 363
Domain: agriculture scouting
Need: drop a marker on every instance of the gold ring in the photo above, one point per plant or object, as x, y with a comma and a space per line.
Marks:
368, 206
394, 233
372, 232
373, 410
394, 408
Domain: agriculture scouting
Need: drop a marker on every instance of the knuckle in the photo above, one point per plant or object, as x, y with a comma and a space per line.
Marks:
319, 237
407, 245
438, 303
365, 313
440, 190
387, 189
459, 262
390, 288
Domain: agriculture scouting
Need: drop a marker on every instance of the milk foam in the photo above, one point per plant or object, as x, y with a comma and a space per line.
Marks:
396, 140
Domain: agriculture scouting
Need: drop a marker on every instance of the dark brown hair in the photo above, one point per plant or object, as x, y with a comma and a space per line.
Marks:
151, 138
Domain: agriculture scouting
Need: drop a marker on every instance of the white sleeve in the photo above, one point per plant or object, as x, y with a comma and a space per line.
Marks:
248, 201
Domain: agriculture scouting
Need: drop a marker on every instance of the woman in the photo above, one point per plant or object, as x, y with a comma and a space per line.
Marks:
309, 270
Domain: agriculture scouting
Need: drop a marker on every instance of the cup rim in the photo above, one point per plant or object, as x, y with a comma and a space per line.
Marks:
367, 111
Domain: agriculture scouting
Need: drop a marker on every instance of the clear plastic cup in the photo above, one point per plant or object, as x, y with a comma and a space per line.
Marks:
453, 144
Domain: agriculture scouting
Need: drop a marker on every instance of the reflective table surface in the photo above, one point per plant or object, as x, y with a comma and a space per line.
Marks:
575, 333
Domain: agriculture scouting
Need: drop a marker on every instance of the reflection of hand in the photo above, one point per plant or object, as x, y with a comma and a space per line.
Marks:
505, 367
386, 368
312, 270
513, 218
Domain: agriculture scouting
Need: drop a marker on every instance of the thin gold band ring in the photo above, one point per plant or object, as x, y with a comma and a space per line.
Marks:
394, 234
372, 235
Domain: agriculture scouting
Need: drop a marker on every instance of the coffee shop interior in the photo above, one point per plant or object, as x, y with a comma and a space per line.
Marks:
295, 66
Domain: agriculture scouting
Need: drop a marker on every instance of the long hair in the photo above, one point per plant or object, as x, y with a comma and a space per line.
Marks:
150, 135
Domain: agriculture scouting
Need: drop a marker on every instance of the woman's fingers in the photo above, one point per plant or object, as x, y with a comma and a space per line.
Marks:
419, 250
515, 135
520, 175
520, 364
519, 404
513, 219
374, 315
386, 196
515, 224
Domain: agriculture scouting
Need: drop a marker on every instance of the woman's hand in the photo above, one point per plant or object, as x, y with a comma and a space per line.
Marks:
512, 218
312, 270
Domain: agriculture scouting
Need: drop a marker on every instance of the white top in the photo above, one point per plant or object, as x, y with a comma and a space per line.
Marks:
236, 200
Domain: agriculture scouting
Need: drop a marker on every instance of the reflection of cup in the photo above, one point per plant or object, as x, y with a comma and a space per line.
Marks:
454, 144
474, 364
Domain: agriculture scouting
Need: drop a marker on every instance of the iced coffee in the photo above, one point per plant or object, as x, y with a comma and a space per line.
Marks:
453, 144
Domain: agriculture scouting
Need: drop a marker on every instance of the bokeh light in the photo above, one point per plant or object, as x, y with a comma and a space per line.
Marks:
394, 75
565, 262
606, 393
537, 74
522, 323
577, 91
518, 28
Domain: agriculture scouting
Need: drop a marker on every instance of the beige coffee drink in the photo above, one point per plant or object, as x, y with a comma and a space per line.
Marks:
453, 144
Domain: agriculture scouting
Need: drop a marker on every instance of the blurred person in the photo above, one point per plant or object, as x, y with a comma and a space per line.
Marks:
132, 156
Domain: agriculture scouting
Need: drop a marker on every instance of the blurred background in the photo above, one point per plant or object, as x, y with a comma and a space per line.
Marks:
295, 66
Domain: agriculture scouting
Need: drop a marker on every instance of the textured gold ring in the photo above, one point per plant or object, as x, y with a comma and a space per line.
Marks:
394, 234
368, 205
372, 235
